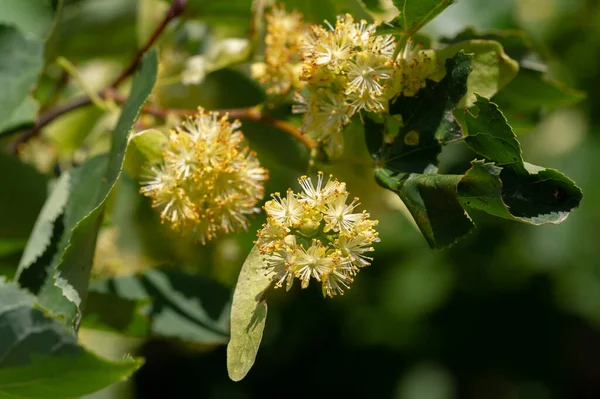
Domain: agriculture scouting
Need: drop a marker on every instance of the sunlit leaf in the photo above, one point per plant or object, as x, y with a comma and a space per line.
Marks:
66, 288
248, 316
492, 68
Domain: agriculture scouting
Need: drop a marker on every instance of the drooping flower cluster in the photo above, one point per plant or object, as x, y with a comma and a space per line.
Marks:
339, 70
282, 66
317, 235
349, 69
208, 181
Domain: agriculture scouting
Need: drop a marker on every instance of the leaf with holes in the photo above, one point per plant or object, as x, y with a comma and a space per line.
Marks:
528, 193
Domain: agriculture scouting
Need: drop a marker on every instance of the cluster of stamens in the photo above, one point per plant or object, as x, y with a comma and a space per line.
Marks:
341, 70
315, 234
281, 68
207, 182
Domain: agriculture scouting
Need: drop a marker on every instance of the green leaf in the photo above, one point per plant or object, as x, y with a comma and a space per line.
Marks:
490, 135
505, 186
432, 201
24, 26
20, 66
42, 232
408, 159
414, 14
517, 44
492, 68
150, 143
161, 303
533, 89
39, 358
145, 147
23, 116
27, 188
33, 17
83, 22
481, 188
511, 188
248, 316
92, 184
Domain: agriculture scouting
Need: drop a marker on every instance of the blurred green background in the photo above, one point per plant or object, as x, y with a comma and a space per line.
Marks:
512, 311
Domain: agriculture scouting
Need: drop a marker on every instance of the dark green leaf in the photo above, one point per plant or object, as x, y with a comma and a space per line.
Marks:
428, 121
414, 14
39, 358
27, 188
92, 184
161, 303
491, 136
432, 201
408, 159
481, 188
536, 196
20, 66
511, 188
43, 229
248, 316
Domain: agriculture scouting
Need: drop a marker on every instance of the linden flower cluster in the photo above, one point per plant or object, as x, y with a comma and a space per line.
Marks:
281, 68
349, 69
315, 234
207, 182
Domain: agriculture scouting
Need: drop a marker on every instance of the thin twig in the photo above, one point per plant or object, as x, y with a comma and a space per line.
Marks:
177, 7
248, 113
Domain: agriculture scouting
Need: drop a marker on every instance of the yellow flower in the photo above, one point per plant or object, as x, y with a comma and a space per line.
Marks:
207, 181
286, 211
314, 235
281, 68
347, 69
338, 70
